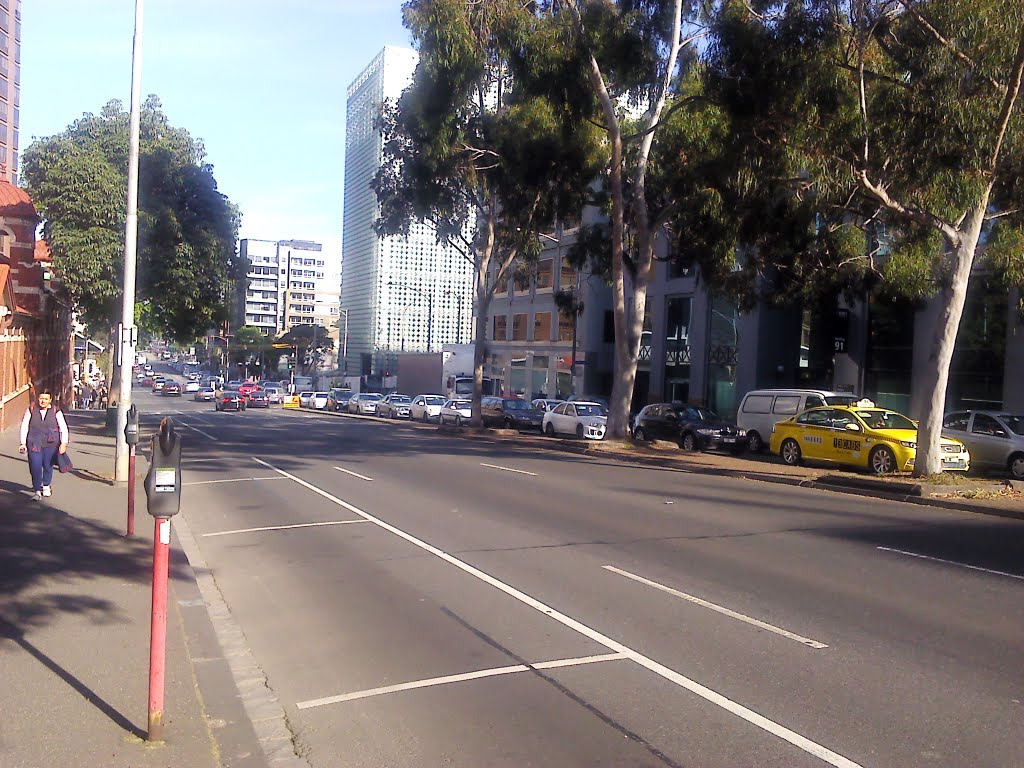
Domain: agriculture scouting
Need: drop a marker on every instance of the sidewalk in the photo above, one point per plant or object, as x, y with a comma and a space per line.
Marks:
74, 628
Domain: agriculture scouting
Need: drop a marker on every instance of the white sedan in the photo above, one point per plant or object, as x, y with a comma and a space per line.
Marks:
191, 387
456, 412
426, 407
582, 419
304, 398
318, 401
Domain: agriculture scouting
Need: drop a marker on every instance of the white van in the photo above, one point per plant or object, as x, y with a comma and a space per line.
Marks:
762, 409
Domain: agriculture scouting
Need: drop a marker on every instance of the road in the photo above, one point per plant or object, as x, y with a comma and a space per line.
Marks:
414, 599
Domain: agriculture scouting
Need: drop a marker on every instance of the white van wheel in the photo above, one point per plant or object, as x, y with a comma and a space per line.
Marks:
756, 443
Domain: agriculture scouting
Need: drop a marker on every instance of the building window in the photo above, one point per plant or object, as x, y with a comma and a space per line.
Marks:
565, 326
545, 274
519, 327
500, 328
542, 326
540, 376
567, 275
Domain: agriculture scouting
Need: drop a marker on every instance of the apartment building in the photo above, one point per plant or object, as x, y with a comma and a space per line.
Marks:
10, 88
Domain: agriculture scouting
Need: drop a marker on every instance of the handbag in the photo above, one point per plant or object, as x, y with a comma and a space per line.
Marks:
63, 462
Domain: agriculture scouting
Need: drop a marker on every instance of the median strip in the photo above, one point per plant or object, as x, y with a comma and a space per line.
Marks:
720, 609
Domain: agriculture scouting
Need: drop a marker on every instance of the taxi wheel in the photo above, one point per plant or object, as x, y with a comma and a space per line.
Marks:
790, 452
882, 460
1017, 466
756, 443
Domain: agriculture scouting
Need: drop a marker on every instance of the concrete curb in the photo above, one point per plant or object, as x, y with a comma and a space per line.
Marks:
909, 493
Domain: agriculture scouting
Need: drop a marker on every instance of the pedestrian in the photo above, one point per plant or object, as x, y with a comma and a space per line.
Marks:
103, 396
86, 397
44, 434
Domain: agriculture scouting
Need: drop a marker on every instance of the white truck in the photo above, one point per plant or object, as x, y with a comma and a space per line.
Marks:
457, 372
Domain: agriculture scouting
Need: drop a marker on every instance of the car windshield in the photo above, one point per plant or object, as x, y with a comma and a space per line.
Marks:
703, 414
879, 419
460, 404
322, 395
258, 393
434, 400
519, 405
305, 394
401, 399
1014, 422
840, 399
587, 409
373, 396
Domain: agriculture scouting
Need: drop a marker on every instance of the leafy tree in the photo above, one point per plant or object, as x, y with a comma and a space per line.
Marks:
620, 65
881, 144
187, 229
488, 166
312, 343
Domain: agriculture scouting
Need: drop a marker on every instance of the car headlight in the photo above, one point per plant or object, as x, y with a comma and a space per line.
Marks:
707, 432
908, 444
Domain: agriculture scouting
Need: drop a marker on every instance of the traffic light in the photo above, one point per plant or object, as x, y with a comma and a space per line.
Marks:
291, 362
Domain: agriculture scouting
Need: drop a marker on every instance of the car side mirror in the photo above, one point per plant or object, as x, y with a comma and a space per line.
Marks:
853, 427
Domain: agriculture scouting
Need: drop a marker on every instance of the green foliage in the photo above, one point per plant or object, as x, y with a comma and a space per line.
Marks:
312, 341
187, 228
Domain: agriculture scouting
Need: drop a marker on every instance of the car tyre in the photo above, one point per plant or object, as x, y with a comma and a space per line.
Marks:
639, 435
549, 429
458, 422
790, 452
426, 417
689, 442
579, 431
1017, 466
882, 460
756, 444
509, 424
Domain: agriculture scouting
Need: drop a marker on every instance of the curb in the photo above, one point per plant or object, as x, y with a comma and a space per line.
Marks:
908, 493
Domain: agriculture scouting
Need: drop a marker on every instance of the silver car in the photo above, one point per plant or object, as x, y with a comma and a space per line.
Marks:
364, 403
994, 438
456, 412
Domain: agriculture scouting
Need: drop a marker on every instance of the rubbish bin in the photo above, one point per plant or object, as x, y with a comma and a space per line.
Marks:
110, 424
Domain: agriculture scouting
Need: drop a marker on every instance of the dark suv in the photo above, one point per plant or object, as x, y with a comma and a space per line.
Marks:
692, 427
511, 413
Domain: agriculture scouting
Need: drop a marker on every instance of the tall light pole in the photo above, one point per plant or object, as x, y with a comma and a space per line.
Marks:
126, 342
458, 322
344, 344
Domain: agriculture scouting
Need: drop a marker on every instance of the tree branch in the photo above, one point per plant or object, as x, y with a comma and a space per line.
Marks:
1012, 90
881, 194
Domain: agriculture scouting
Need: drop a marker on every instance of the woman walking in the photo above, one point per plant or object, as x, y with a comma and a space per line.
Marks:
44, 433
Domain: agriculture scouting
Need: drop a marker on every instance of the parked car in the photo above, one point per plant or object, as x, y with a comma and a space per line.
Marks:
273, 395
426, 407
171, 388
304, 398
511, 413
546, 404
994, 438
582, 419
456, 412
204, 394
364, 403
318, 401
229, 400
603, 402
394, 406
337, 399
191, 386
258, 399
761, 409
859, 435
693, 428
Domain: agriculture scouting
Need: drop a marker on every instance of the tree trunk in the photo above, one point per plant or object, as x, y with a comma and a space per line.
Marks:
952, 299
479, 349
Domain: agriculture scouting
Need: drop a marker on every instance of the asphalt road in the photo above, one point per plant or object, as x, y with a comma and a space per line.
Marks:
418, 600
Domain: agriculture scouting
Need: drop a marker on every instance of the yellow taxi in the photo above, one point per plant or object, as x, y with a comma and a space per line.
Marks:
860, 435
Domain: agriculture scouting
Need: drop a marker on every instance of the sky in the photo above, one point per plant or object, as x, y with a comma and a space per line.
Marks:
261, 82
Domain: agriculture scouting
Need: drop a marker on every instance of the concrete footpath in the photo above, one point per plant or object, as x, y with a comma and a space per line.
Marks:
74, 629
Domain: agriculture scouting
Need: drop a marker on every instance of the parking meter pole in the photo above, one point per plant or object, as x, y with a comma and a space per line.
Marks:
158, 629
163, 500
130, 529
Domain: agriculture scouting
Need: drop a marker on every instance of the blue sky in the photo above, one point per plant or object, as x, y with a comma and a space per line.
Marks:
262, 82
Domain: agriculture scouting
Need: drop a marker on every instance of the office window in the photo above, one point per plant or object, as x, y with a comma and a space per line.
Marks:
545, 273
519, 327
542, 326
500, 328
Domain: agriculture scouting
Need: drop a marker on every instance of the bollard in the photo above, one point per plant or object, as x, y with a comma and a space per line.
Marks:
163, 500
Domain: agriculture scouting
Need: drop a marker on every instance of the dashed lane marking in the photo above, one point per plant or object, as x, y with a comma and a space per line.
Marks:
709, 695
233, 480
952, 562
354, 474
719, 609
509, 469
281, 527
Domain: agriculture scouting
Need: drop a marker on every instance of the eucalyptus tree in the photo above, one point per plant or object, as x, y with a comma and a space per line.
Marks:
187, 228
467, 151
885, 139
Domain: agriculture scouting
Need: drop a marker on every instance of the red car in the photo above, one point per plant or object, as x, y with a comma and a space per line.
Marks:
248, 387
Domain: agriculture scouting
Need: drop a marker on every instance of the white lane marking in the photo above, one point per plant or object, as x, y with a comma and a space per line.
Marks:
430, 682
952, 562
718, 608
282, 527
354, 474
233, 480
201, 432
509, 469
752, 717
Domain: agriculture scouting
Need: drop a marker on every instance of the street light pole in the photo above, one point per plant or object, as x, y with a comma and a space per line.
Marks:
126, 342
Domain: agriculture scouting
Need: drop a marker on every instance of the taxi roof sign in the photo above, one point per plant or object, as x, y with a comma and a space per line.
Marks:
864, 403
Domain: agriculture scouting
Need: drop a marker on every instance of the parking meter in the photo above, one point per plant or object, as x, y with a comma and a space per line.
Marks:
131, 429
163, 481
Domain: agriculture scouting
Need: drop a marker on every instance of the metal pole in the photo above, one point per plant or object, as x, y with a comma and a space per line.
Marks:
131, 234
158, 629
344, 353
131, 491
430, 319
458, 329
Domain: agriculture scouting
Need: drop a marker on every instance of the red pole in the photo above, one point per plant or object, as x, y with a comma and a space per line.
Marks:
158, 628
131, 491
